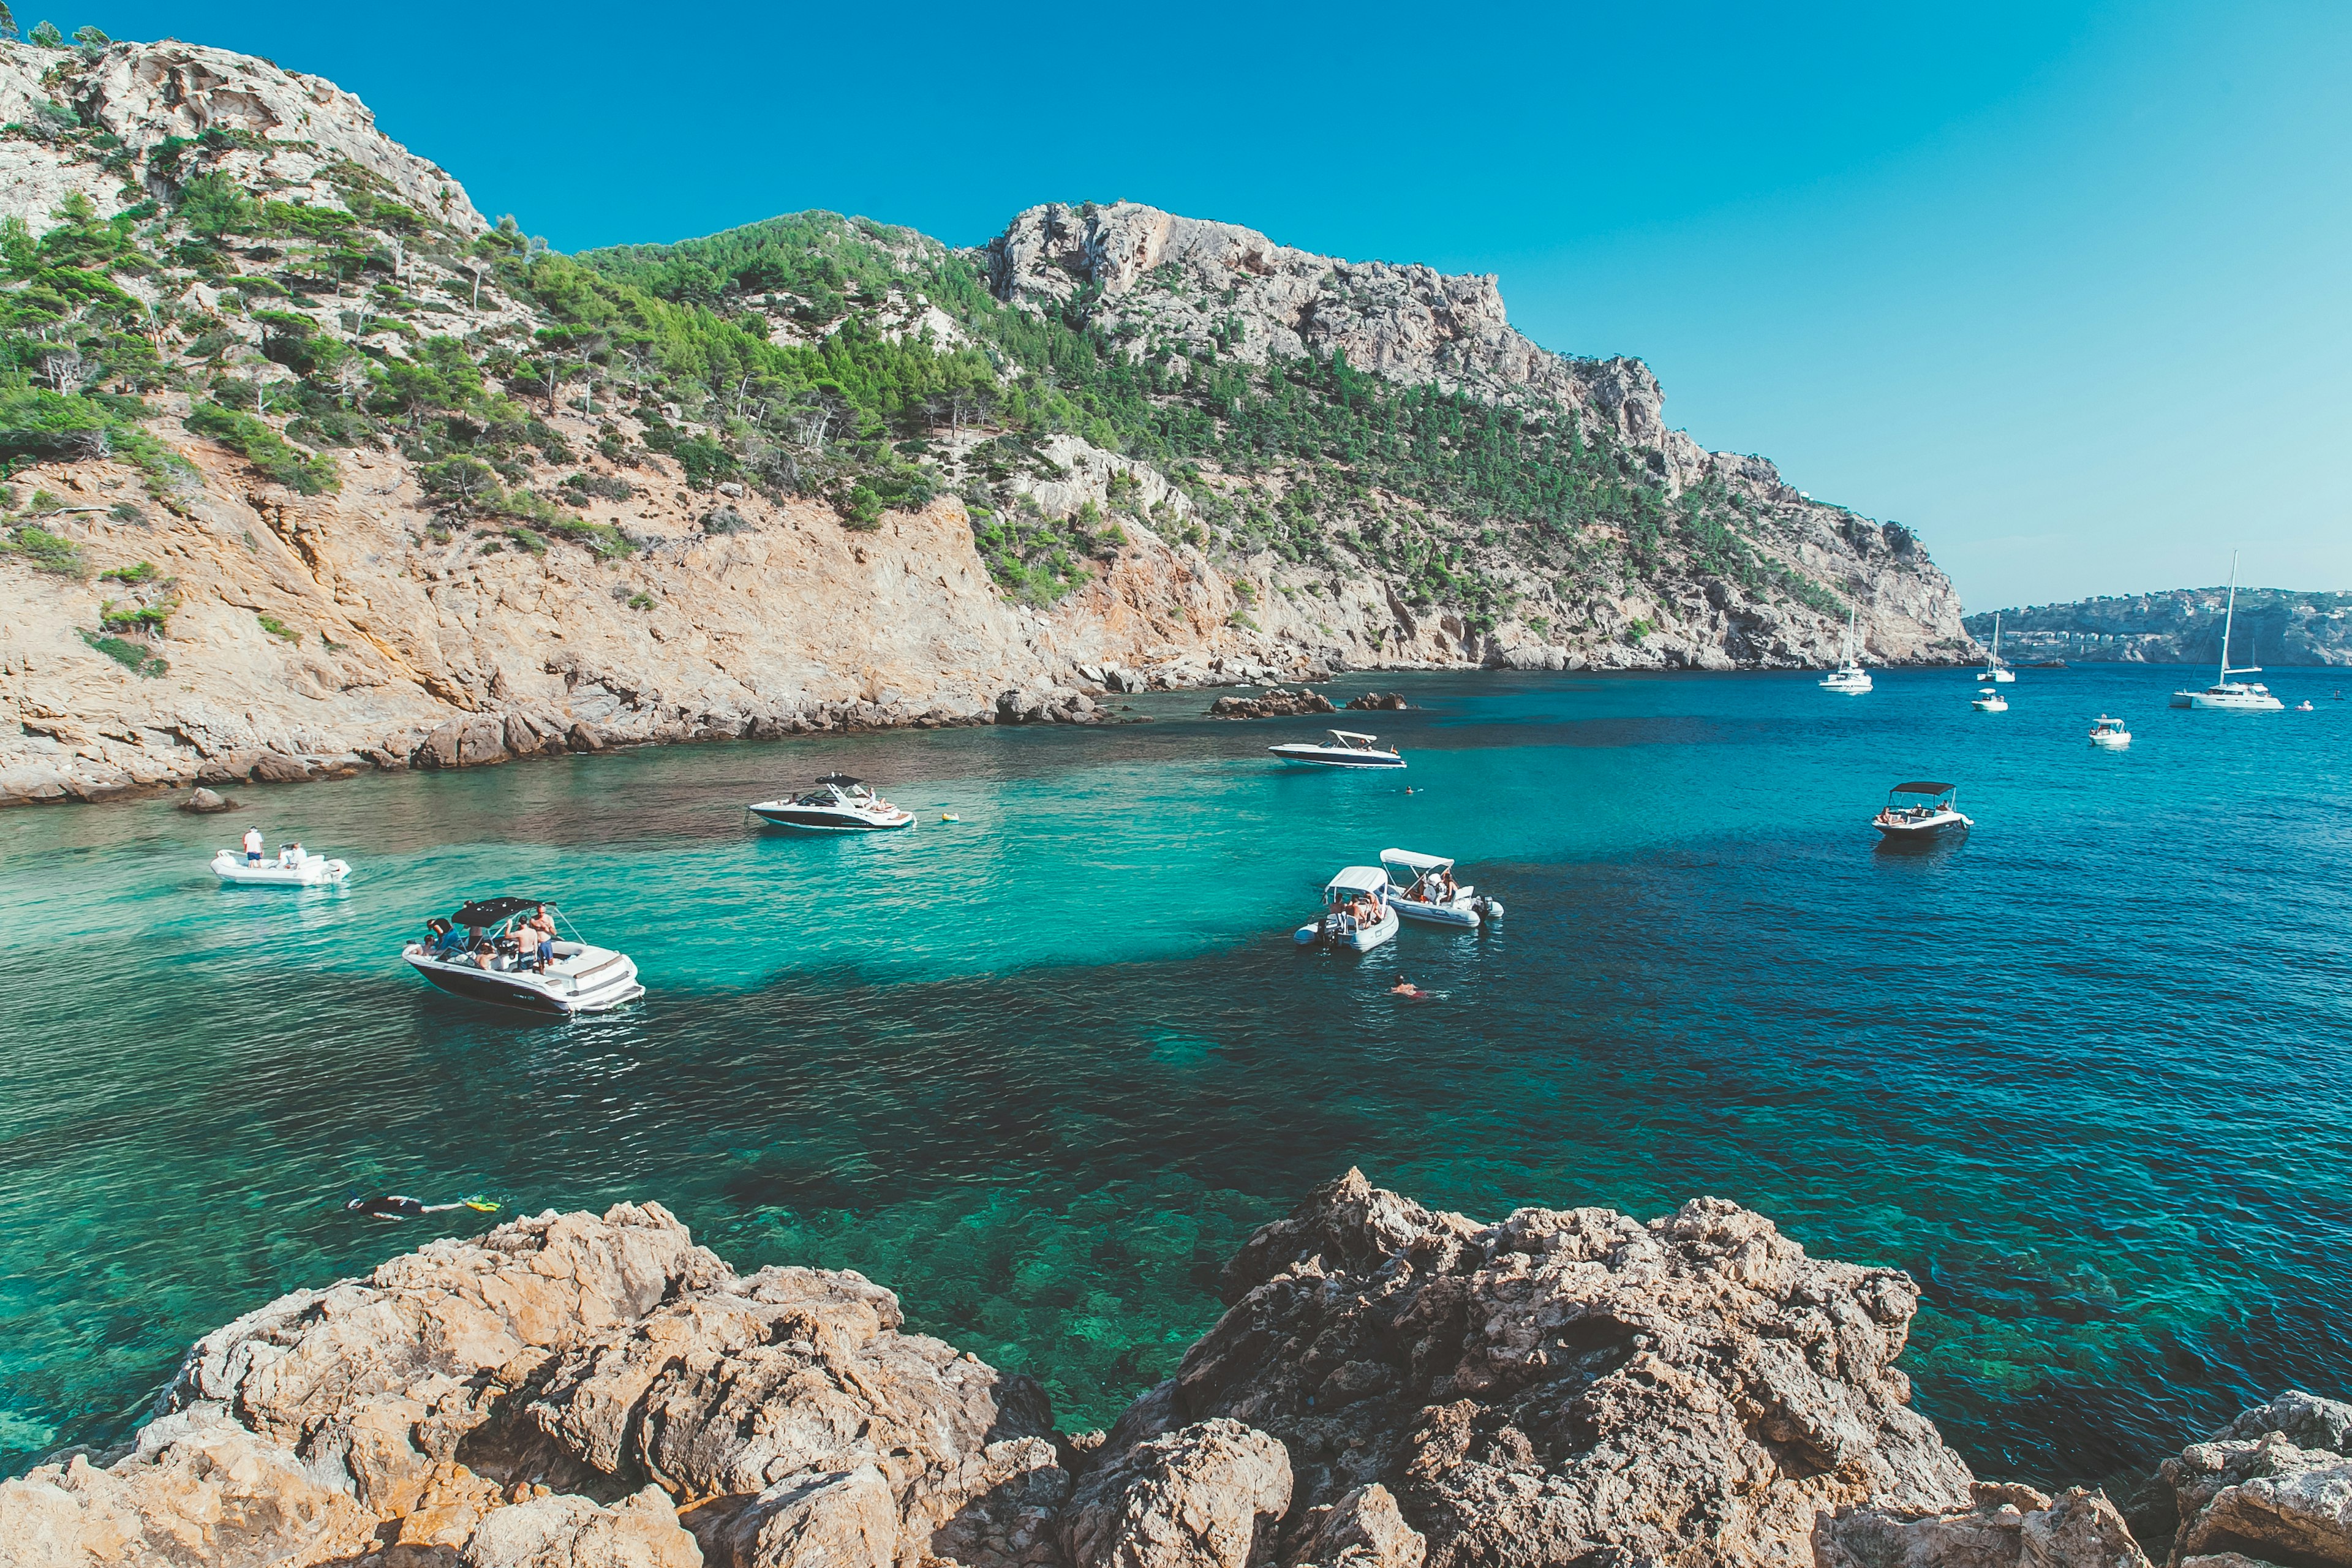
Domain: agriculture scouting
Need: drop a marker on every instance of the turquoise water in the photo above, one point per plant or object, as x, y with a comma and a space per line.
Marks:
1040, 1070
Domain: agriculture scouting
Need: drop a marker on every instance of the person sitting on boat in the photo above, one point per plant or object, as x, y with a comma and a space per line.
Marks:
253, 842
447, 942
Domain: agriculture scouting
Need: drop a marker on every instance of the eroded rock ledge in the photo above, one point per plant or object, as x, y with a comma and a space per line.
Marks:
1389, 1387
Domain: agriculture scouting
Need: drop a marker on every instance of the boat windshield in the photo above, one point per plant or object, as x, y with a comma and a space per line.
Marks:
1921, 798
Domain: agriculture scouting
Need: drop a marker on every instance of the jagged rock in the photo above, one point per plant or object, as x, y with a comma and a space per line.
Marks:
738, 1387
1275, 704
1210, 1495
2007, 1527
1363, 1530
204, 803
273, 767
842, 1518
199, 1488
1563, 1383
2275, 1485
560, 1531
1373, 702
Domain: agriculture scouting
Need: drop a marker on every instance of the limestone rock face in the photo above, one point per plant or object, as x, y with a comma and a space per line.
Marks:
557, 1531
286, 129
1363, 1529
2008, 1527
1211, 1495
2275, 1485
1560, 1382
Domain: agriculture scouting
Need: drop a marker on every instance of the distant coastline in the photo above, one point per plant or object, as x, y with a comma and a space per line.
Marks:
2274, 626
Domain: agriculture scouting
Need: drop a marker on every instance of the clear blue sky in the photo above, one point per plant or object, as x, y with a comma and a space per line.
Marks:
2062, 286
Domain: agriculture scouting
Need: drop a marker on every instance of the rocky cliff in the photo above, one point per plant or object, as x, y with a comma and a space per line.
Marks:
310, 469
2272, 626
1389, 1387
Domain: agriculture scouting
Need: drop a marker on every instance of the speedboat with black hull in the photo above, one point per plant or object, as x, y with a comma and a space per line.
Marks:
1920, 812
1340, 749
1421, 888
839, 803
489, 952
1358, 912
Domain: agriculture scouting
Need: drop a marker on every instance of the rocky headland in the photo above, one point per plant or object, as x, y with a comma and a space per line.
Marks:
312, 468
2270, 627
1388, 1387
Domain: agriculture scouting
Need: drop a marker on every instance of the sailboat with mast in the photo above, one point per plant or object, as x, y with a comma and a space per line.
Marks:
1849, 676
1994, 670
2236, 696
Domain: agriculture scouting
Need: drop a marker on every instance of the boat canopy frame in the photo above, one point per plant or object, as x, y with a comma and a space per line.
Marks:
1344, 736
481, 914
1928, 787
1418, 862
1359, 880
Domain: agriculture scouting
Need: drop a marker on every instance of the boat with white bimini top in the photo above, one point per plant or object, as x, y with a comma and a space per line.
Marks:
1849, 676
488, 952
2228, 695
839, 803
1421, 888
1921, 810
1995, 671
2110, 733
1988, 699
1341, 749
1358, 912
295, 867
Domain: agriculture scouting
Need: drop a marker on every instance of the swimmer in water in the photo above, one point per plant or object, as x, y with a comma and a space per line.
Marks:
1404, 987
394, 1205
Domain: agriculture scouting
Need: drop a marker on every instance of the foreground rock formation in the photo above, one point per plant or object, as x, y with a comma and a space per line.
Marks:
1389, 1387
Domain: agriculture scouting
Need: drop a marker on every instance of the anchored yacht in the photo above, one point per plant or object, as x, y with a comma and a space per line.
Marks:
485, 954
1995, 671
1849, 676
2233, 696
2110, 733
839, 803
1342, 749
1988, 699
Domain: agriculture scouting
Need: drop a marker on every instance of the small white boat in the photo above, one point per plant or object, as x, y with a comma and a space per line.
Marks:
1343, 749
1995, 671
839, 803
1921, 810
1421, 888
2227, 695
294, 866
1357, 914
1849, 676
479, 954
2303, 706
1988, 699
2110, 733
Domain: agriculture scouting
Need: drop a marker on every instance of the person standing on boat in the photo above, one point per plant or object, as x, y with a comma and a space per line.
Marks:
542, 925
252, 843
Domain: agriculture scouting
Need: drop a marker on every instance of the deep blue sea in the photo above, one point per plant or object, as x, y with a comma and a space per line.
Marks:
2084, 1075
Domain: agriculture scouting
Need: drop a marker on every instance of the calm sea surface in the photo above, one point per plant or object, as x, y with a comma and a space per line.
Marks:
2085, 1075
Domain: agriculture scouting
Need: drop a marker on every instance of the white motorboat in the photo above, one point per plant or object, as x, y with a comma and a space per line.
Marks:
1342, 749
294, 866
1849, 676
2303, 706
839, 803
1358, 912
2225, 694
1421, 888
1995, 672
1921, 810
2110, 733
1988, 699
481, 954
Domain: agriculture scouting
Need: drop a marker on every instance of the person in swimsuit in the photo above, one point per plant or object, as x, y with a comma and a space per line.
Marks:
253, 845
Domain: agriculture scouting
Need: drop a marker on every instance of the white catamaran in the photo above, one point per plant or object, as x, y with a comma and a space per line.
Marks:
1849, 676
2238, 696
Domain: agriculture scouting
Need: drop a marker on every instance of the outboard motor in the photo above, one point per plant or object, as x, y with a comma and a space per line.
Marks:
1488, 909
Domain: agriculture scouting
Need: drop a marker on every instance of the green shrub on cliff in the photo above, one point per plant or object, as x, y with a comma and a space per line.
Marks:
50, 551
137, 658
265, 449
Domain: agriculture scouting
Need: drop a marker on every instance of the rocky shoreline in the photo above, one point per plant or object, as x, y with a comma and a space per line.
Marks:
1389, 1387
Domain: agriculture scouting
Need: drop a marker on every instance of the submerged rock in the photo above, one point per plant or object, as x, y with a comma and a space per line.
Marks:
204, 803
1275, 704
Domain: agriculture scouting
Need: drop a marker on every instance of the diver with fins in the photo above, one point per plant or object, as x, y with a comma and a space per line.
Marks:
397, 1206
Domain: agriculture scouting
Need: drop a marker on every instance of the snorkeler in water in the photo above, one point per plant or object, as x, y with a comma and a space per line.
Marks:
396, 1205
